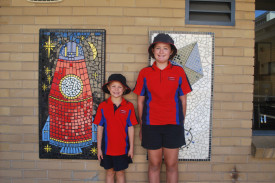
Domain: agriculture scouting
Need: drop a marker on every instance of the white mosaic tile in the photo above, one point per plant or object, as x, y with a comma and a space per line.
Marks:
198, 121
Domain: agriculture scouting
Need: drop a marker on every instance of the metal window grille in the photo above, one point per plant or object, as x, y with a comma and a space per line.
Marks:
210, 12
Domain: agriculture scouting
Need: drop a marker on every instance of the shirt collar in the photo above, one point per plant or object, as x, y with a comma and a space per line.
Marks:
155, 67
123, 102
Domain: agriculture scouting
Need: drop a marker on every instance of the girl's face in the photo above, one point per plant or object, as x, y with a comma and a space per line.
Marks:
116, 89
162, 52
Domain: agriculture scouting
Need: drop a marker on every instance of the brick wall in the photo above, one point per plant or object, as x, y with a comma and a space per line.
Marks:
127, 23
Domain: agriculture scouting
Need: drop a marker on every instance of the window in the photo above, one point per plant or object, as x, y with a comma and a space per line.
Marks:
210, 12
264, 75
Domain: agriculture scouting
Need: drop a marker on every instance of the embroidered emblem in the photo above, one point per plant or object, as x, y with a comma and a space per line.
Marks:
171, 78
123, 112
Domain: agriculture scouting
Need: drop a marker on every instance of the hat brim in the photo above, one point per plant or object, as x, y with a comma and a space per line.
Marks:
105, 88
173, 47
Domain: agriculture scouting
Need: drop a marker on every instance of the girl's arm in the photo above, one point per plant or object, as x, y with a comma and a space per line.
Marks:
183, 99
140, 104
131, 134
99, 140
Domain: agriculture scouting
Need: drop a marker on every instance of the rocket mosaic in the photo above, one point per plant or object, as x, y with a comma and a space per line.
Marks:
196, 56
71, 73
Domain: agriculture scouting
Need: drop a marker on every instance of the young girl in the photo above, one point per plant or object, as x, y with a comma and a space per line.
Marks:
162, 94
115, 118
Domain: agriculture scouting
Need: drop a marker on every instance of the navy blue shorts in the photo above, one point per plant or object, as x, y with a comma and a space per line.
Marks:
118, 163
158, 136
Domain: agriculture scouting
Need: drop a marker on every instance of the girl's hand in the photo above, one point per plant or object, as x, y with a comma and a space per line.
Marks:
99, 155
131, 153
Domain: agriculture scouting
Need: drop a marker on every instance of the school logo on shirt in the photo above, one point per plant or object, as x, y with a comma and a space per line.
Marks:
171, 78
123, 112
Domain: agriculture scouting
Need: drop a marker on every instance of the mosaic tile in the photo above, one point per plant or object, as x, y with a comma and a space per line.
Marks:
196, 56
72, 71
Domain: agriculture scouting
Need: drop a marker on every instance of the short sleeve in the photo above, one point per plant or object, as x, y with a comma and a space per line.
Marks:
184, 83
99, 117
132, 119
139, 88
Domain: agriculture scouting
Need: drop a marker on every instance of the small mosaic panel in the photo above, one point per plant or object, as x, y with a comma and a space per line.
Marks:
196, 56
71, 73
189, 58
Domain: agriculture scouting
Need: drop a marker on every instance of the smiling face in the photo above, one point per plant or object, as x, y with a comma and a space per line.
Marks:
116, 89
162, 52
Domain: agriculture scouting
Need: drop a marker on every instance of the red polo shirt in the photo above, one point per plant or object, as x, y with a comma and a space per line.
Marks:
162, 89
115, 139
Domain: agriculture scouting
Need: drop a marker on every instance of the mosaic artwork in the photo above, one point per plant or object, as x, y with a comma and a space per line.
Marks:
71, 73
196, 56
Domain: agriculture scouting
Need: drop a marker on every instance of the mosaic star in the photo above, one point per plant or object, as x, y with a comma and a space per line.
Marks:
95, 75
47, 70
49, 78
94, 150
49, 46
48, 148
44, 87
